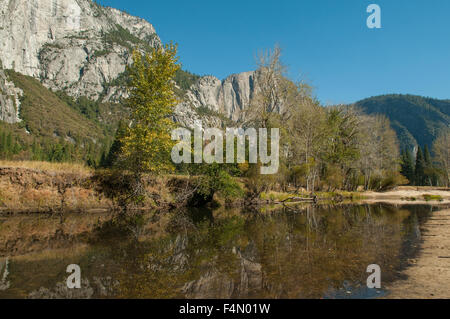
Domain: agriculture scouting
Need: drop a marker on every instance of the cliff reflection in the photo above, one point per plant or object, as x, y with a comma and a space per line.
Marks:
304, 253
297, 252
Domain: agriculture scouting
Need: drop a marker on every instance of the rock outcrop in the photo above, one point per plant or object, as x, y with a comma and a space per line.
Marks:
209, 101
214, 284
71, 45
82, 48
9, 100
229, 97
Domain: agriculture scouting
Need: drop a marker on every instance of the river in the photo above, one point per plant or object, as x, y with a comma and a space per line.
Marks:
273, 252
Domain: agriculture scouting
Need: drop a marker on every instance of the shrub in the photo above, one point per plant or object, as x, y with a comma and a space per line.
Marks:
430, 198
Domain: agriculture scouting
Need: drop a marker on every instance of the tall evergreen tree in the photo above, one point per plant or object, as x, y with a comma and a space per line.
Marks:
420, 168
9, 145
407, 167
110, 159
3, 149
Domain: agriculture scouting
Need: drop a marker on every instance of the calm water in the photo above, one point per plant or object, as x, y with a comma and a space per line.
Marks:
300, 252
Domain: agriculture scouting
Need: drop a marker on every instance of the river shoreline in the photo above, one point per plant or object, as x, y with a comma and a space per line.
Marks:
39, 191
409, 195
428, 276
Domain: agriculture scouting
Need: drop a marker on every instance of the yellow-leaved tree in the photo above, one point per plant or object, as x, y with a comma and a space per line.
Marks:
147, 144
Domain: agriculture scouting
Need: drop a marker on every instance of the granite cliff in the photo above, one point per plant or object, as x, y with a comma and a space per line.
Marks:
82, 49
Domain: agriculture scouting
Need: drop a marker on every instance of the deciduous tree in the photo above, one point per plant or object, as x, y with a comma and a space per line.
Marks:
147, 144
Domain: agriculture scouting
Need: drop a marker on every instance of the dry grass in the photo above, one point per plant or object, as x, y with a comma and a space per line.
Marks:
48, 167
276, 196
78, 250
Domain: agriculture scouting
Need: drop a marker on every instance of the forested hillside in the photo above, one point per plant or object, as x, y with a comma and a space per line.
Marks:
57, 127
417, 120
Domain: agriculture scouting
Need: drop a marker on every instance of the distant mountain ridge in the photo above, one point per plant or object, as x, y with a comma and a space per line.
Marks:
417, 120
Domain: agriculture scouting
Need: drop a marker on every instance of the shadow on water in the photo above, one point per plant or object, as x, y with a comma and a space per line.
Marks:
297, 252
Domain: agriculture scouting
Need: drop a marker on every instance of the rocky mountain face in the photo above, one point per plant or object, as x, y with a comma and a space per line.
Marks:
229, 97
9, 100
82, 49
210, 99
71, 45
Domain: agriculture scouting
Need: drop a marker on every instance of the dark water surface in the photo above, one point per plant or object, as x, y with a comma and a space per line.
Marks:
297, 252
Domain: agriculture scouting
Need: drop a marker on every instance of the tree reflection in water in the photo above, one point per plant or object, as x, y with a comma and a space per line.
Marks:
296, 252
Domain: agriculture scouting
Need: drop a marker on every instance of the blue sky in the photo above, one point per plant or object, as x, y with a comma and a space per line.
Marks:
325, 42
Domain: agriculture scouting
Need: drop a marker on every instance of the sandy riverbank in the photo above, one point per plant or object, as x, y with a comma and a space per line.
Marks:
409, 195
429, 275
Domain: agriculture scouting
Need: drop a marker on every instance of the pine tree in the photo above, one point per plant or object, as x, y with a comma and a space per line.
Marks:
407, 167
3, 149
420, 168
16, 147
34, 150
9, 145
110, 159
57, 154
